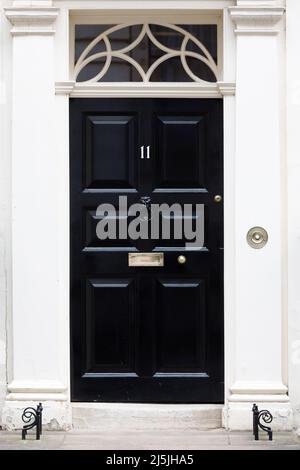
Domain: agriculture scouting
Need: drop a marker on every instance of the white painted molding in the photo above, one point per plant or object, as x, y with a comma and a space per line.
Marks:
31, 20
226, 88
152, 89
51, 386
275, 392
260, 388
36, 390
158, 5
64, 87
202, 55
31, 3
256, 397
40, 396
256, 20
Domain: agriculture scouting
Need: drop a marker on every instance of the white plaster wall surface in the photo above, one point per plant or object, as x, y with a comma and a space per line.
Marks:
53, 365
5, 194
293, 170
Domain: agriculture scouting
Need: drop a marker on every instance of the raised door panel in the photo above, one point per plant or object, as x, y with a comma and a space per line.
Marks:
110, 326
110, 152
95, 240
180, 326
184, 228
180, 152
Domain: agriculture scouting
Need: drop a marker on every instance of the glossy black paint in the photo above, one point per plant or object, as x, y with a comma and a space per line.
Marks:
146, 334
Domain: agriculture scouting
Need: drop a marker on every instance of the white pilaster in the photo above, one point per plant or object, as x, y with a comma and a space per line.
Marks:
39, 324
293, 171
259, 298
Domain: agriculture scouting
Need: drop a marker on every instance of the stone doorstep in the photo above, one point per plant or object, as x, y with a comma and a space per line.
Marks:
146, 416
135, 440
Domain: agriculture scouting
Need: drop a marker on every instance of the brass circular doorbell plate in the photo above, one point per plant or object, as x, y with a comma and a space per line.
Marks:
257, 237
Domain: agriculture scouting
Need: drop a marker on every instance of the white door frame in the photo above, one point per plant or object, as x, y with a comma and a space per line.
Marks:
254, 283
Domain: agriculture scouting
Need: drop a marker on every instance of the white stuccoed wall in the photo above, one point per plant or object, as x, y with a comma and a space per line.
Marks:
259, 201
39, 331
45, 375
5, 197
293, 195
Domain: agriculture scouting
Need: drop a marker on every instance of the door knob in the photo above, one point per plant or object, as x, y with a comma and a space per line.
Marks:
181, 259
218, 198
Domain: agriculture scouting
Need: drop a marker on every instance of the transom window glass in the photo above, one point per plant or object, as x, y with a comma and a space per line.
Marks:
146, 52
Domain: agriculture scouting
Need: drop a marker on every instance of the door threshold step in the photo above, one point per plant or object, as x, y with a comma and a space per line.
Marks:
138, 416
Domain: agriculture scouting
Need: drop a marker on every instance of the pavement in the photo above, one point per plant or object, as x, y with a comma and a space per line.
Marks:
216, 439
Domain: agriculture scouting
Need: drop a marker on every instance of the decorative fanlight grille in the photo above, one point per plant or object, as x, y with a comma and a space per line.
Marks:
105, 57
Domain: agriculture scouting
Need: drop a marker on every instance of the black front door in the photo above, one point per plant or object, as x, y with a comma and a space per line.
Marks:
146, 333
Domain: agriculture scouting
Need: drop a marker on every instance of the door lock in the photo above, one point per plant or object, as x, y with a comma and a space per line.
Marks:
181, 259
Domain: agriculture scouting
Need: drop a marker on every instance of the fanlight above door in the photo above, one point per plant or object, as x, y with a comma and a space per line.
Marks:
146, 53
